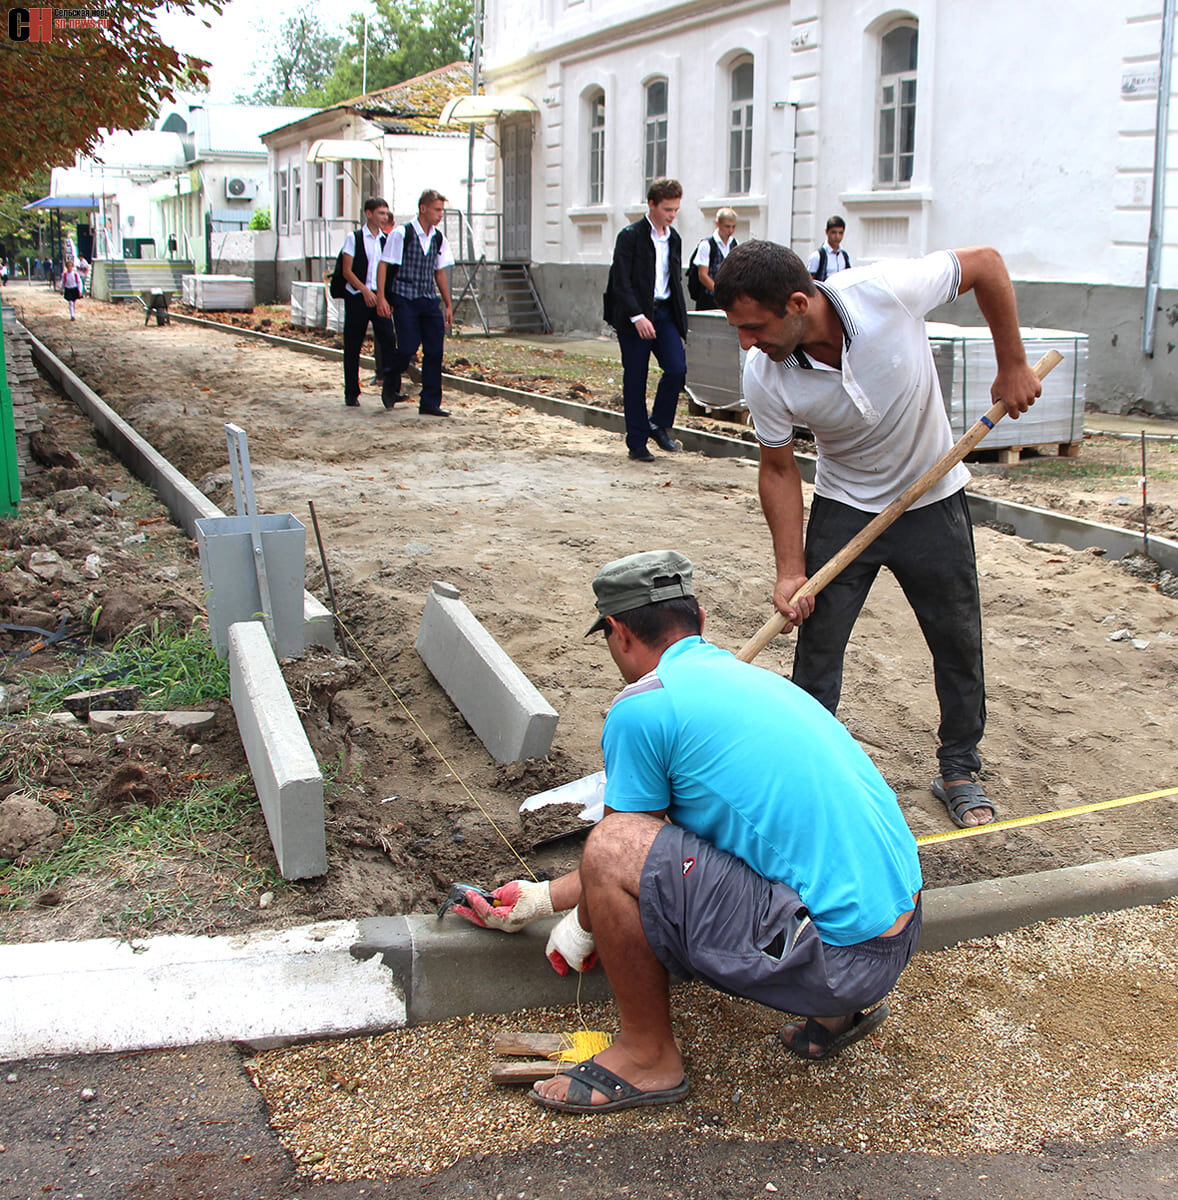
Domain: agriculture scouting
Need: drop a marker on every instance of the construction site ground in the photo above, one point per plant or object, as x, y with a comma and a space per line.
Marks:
518, 510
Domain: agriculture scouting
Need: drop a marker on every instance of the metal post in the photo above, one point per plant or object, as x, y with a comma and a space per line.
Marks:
475, 55
1157, 207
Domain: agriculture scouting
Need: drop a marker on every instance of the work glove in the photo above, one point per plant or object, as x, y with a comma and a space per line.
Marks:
571, 946
512, 906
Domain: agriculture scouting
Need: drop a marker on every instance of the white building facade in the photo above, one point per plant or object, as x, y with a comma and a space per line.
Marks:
928, 124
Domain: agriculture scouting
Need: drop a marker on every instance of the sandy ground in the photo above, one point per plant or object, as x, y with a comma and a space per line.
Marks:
518, 510
1021, 1043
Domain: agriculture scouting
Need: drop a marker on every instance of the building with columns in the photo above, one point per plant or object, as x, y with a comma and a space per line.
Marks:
925, 124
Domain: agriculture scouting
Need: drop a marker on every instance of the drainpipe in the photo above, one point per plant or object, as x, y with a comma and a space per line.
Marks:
1157, 204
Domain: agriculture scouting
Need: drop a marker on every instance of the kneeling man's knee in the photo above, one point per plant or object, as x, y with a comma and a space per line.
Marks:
618, 845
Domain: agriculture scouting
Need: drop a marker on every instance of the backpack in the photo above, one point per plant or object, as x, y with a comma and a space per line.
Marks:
822, 257
338, 287
695, 287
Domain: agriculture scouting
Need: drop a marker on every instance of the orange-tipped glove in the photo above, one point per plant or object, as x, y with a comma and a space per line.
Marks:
571, 946
511, 907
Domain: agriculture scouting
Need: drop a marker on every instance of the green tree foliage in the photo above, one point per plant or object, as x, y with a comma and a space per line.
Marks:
56, 95
19, 230
303, 56
405, 38
260, 218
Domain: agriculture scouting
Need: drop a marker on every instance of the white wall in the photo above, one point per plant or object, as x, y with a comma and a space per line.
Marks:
555, 52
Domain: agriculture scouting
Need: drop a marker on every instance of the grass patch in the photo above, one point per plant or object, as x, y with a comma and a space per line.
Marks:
208, 826
172, 668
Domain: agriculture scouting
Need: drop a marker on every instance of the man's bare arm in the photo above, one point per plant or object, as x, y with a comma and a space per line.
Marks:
780, 486
984, 273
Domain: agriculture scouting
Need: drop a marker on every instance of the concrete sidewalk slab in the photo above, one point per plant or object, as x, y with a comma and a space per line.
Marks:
105, 995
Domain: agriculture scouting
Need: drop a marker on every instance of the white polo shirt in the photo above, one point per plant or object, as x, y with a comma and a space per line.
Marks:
879, 423
372, 248
394, 246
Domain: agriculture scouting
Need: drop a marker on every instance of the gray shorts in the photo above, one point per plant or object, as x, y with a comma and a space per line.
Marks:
709, 916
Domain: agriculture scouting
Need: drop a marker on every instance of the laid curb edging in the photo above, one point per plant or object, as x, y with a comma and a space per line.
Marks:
348, 978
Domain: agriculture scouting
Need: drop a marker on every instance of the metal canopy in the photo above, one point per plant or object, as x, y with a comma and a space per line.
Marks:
343, 150
66, 202
474, 110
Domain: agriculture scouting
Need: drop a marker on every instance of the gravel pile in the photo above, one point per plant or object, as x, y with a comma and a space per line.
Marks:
1056, 1033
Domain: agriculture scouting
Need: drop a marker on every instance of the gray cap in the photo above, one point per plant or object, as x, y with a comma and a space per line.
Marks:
638, 580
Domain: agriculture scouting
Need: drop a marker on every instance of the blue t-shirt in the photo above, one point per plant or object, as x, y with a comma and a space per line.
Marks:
751, 763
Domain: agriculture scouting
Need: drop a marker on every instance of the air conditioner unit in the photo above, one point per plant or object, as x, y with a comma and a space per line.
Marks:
240, 189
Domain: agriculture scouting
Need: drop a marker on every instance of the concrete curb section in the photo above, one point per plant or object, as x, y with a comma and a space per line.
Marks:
183, 499
1035, 524
351, 978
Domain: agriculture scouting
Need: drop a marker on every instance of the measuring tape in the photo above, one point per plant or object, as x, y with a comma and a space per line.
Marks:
951, 835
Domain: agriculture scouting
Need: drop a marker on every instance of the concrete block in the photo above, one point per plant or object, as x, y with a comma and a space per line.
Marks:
286, 775
496, 698
106, 995
993, 906
449, 968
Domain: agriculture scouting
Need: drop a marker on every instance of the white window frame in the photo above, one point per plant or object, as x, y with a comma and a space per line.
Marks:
740, 128
318, 190
339, 191
895, 116
655, 126
296, 196
282, 201
595, 179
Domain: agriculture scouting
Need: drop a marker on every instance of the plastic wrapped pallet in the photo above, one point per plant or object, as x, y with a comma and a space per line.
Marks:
335, 314
715, 361
188, 289
307, 305
220, 293
966, 367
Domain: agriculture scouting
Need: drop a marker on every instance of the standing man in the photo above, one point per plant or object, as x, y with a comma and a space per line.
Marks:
644, 303
748, 841
708, 256
828, 260
849, 360
359, 262
421, 254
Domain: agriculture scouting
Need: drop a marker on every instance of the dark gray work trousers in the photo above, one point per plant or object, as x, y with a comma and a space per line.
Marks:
930, 551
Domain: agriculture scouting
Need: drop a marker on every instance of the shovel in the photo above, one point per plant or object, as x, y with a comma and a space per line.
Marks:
875, 527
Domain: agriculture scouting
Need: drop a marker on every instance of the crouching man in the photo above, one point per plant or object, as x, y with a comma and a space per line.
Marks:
747, 842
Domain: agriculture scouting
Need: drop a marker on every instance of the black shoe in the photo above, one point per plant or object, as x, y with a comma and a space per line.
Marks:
352, 401
390, 399
433, 412
375, 381
664, 441
643, 455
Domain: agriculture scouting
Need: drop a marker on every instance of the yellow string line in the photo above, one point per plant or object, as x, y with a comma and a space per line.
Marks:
433, 745
1038, 818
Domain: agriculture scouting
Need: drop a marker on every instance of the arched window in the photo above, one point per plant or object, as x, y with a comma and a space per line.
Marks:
655, 162
896, 145
740, 128
597, 147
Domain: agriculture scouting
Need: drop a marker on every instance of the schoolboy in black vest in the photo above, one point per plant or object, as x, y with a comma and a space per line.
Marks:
420, 318
361, 256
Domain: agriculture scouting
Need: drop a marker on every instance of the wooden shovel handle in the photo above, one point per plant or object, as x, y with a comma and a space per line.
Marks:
878, 524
